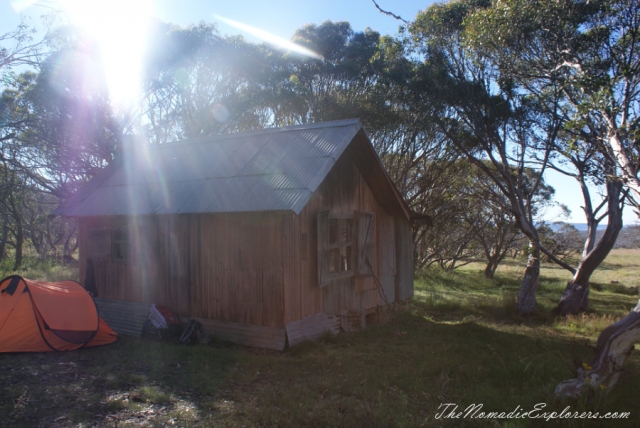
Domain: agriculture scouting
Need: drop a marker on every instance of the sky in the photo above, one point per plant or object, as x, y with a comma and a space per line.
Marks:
281, 18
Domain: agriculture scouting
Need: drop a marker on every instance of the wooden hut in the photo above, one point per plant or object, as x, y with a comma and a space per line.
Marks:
262, 236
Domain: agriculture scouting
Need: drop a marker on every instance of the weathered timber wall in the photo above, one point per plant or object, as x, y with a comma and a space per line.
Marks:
228, 267
404, 259
257, 268
343, 191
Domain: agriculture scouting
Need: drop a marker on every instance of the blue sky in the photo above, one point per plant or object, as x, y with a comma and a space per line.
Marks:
282, 18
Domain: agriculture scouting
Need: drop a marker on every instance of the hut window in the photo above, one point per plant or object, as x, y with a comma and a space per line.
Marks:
121, 243
336, 246
340, 244
99, 243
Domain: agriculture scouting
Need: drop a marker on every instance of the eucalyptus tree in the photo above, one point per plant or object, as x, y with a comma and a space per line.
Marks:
201, 83
575, 296
471, 220
70, 133
57, 133
14, 165
491, 219
17, 47
343, 82
198, 83
589, 51
487, 118
442, 193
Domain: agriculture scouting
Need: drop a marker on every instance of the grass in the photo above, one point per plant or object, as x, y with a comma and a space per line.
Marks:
459, 341
40, 270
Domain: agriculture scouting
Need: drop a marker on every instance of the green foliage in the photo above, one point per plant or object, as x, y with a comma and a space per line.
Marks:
589, 50
562, 240
40, 270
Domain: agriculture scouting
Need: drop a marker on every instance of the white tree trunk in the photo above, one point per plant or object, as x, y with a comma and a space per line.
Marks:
628, 169
612, 349
527, 303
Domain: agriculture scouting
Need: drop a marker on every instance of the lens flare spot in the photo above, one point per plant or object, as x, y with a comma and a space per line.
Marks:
220, 112
75, 73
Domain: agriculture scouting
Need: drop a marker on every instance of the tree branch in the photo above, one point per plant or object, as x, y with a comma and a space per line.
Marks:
393, 15
557, 260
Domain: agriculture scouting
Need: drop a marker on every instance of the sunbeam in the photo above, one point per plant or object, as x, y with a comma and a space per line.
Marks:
120, 29
20, 6
270, 38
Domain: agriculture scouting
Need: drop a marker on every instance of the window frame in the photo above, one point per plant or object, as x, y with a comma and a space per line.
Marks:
104, 232
338, 245
115, 243
362, 247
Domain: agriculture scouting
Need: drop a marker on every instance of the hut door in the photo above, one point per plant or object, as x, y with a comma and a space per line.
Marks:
177, 262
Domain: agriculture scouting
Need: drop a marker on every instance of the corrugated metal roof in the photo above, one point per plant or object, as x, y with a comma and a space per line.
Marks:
312, 327
256, 336
270, 170
123, 317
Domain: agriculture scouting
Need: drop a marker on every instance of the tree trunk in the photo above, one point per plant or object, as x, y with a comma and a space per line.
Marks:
575, 297
527, 303
628, 169
490, 270
19, 245
590, 215
612, 349
3, 240
493, 263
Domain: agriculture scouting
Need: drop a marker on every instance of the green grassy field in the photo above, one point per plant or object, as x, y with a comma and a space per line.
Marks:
458, 341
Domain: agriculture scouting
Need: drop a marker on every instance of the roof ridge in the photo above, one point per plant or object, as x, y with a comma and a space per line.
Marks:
274, 130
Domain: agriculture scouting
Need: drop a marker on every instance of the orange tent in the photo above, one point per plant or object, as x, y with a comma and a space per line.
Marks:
48, 316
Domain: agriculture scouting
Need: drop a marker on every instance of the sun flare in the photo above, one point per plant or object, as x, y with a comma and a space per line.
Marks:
120, 29
270, 38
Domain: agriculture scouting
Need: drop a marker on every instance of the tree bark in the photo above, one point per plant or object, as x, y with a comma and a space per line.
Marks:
527, 303
490, 270
18, 231
628, 169
575, 297
493, 263
3, 240
614, 345
19, 245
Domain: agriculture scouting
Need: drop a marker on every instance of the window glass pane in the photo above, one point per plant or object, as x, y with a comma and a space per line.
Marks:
334, 260
345, 258
122, 251
121, 243
99, 244
333, 231
348, 230
121, 234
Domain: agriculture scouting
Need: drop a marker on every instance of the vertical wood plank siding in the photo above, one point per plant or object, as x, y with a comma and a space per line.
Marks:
228, 267
344, 191
255, 268
404, 259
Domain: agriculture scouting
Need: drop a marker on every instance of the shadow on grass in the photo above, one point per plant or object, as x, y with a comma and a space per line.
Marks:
398, 374
459, 341
131, 381
395, 374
